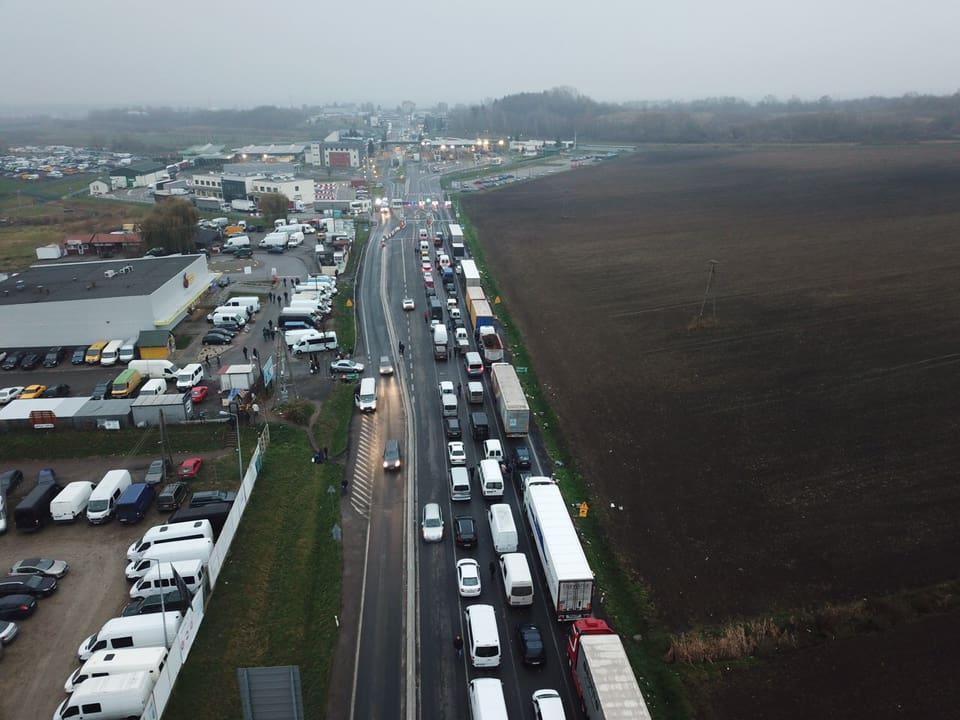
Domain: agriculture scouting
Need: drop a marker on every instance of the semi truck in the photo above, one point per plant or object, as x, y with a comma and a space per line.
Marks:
439, 342
472, 294
510, 400
601, 673
565, 567
243, 205
456, 241
480, 315
471, 276
491, 347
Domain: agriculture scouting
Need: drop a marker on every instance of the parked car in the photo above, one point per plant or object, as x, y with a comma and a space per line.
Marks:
465, 531
345, 366
172, 496
189, 468
157, 472
12, 360
17, 607
8, 631
30, 361
209, 497
46, 476
10, 480
468, 577
10, 393
220, 330
432, 524
276, 250
456, 453
198, 393
40, 566
78, 355
244, 252
55, 391
36, 585
32, 392
212, 338
101, 391
531, 644
391, 455
53, 357
231, 326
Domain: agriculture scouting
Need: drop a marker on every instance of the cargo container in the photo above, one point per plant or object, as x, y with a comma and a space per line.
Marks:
456, 241
569, 578
481, 315
471, 276
510, 400
601, 673
471, 295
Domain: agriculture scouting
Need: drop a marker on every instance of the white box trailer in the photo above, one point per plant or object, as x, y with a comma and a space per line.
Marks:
510, 399
565, 567
471, 276
239, 377
609, 687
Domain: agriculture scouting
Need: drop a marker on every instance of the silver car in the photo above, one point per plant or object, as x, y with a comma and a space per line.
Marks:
432, 524
386, 367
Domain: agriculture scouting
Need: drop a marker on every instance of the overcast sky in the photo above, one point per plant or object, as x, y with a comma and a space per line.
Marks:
238, 53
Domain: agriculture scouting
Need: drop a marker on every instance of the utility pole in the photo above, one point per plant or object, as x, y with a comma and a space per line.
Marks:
712, 265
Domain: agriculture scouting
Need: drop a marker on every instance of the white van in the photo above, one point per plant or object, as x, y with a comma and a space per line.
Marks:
104, 663
170, 532
248, 301
483, 640
136, 631
459, 484
189, 376
197, 549
493, 450
71, 501
153, 387
502, 528
365, 397
237, 241
490, 478
444, 260
424, 246
475, 392
154, 369
295, 239
448, 402
109, 698
292, 337
473, 363
319, 342
128, 351
230, 315
111, 353
103, 499
517, 580
486, 699
159, 578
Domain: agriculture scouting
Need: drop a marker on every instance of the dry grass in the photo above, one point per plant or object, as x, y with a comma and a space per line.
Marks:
732, 642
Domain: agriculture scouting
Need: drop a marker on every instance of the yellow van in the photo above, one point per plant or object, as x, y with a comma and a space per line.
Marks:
93, 352
126, 383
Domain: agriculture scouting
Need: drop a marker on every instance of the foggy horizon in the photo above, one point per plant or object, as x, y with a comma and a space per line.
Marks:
217, 55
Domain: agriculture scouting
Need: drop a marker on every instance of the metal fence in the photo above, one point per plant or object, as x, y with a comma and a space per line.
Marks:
190, 625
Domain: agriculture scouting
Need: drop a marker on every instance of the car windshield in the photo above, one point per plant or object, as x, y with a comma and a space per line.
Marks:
471, 580
98, 505
432, 522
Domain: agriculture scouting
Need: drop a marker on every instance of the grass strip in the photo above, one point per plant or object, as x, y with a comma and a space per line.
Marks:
279, 592
626, 601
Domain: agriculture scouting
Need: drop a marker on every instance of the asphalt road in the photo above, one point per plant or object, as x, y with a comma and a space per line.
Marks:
437, 681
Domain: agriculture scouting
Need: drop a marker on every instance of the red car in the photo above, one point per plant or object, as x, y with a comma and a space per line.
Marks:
189, 468
199, 393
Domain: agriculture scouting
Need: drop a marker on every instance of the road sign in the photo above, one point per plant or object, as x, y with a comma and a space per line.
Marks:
497, 300
349, 302
584, 509
521, 370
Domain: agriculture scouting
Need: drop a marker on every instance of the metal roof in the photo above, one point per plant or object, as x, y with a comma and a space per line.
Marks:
61, 407
271, 693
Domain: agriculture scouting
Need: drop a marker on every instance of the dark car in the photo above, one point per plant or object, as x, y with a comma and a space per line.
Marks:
10, 480
153, 604
156, 252
12, 360
171, 497
521, 457
276, 250
36, 585
391, 455
30, 361
17, 607
244, 252
531, 644
46, 476
465, 531
53, 357
55, 391
452, 426
208, 497
215, 339
101, 391
221, 330
232, 327
79, 356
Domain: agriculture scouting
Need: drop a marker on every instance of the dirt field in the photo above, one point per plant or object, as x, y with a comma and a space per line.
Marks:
800, 447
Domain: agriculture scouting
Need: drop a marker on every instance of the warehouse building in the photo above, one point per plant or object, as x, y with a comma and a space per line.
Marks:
336, 151
293, 188
82, 302
138, 174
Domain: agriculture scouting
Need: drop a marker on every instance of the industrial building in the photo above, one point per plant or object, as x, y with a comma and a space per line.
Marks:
279, 153
98, 187
293, 188
137, 174
82, 302
336, 151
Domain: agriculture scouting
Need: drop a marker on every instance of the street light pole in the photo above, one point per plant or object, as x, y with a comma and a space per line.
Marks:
236, 419
163, 605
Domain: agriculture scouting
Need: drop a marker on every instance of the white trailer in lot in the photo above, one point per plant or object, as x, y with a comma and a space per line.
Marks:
511, 401
565, 567
239, 377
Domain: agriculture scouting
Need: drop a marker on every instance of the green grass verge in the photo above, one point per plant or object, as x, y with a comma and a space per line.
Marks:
279, 592
344, 318
626, 600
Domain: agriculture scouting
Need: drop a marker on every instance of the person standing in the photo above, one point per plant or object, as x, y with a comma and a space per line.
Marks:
246, 353
458, 645
493, 568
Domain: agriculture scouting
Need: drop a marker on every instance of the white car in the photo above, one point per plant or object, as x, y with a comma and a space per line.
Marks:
10, 393
432, 524
547, 705
451, 303
446, 386
468, 578
454, 313
456, 453
408, 304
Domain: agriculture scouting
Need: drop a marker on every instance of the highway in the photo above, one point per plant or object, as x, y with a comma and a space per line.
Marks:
408, 583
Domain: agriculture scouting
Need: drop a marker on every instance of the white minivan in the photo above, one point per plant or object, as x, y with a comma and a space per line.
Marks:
517, 580
108, 698
128, 351
502, 528
233, 315
490, 478
70, 502
103, 500
189, 375
153, 387
169, 532
115, 662
459, 484
111, 353
134, 631
486, 699
196, 549
249, 301
483, 640
159, 578
365, 398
